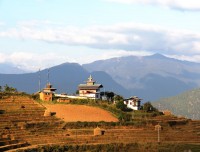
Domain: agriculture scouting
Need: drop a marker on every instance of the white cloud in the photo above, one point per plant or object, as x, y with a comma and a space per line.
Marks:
2, 23
34, 23
126, 37
2, 58
129, 36
190, 5
194, 58
33, 61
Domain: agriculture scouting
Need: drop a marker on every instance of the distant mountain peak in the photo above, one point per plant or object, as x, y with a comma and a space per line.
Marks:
157, 56
8, 68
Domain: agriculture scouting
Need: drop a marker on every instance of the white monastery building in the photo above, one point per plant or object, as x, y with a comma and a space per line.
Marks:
90, 89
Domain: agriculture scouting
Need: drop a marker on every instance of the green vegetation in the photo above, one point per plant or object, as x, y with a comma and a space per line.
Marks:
185, 104
120, 105
109, 95
79, 124
117, 147
36, 97
148, 107
102, 124
7, 89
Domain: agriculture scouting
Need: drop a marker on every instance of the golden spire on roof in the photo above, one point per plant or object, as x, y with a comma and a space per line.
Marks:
90, 80
48, 85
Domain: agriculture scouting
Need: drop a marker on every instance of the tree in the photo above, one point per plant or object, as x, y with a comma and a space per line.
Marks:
148, 107
121, 105
109, 95
6, 88
9, 89
118, 98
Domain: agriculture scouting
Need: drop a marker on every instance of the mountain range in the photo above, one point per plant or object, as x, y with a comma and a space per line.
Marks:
149, 77
65, 78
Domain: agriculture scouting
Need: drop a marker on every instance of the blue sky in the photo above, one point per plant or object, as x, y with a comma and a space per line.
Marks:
41, 33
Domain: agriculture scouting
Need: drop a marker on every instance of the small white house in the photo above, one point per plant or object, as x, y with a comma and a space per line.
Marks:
133, 103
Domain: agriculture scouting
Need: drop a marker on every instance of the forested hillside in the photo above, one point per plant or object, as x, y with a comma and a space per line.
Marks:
185, 104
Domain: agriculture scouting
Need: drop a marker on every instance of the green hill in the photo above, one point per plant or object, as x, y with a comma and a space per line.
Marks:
185, 104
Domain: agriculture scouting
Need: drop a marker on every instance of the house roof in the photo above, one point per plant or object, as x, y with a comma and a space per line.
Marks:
133, 98
49, 88
89, 87
47, 91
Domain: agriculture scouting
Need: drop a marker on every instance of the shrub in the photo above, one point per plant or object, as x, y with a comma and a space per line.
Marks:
121, 105
35, 96
148, 107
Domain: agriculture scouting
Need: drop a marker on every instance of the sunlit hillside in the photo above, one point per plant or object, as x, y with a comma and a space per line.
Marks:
185, 104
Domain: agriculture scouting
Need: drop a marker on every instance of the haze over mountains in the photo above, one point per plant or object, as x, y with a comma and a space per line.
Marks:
7, 68
149, 77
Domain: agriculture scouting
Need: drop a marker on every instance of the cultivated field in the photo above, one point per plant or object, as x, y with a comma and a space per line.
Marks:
25, 124
73, 113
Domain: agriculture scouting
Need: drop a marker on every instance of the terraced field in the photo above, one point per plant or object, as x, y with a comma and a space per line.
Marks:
25, 124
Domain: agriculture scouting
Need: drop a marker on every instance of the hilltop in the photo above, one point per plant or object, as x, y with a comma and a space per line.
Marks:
185, 104
27, 125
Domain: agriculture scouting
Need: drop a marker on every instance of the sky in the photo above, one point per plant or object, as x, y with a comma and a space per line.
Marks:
37, 34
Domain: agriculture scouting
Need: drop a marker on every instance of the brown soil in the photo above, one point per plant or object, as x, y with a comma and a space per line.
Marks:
73, 113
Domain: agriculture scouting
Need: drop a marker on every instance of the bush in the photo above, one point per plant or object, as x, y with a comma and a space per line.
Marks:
35, 96
148, 107
121, 105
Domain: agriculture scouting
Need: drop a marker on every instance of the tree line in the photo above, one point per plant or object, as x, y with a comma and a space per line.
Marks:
7, 89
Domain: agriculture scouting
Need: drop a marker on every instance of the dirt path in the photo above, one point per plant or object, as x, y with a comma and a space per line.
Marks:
73, 113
